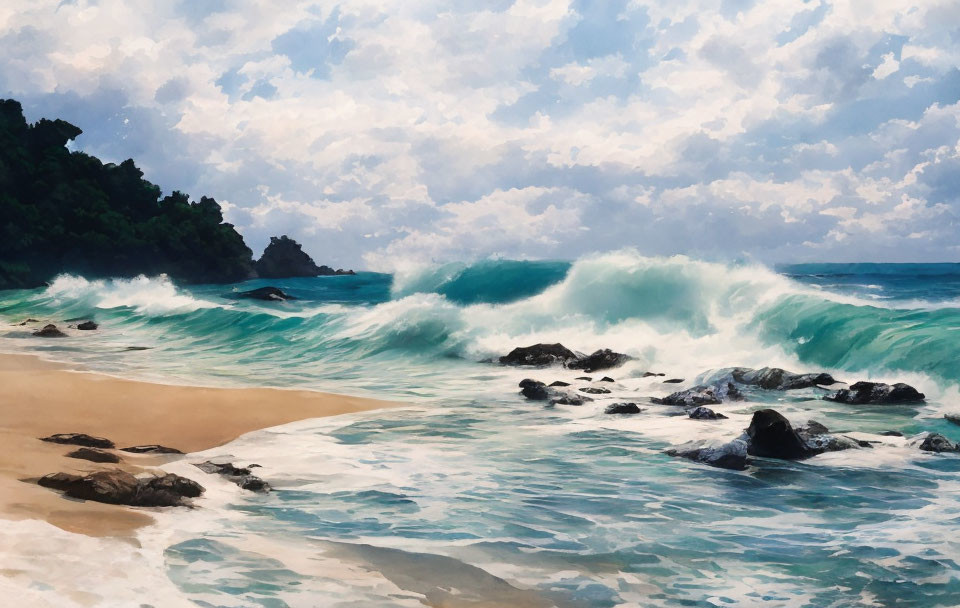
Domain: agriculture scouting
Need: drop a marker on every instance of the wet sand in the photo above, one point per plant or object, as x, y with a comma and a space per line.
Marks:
39, 398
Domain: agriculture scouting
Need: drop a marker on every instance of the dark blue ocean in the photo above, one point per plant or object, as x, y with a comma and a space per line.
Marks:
469, 495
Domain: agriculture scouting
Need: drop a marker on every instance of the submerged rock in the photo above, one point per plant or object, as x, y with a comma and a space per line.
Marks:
601, 359
87, 326
878, 393
535, 390
27, 322
121, 488
673, 381
559, 383
267, 294
705, 413
935, 442
151, 449
539, 355
49, 331
606, 379
622, 408
651, 374
731, 455
594, 390
891, 434
94, 455
775, 378
773, 436
79, 439
954, 418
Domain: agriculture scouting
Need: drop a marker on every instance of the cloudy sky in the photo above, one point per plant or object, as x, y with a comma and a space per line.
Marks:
380, 132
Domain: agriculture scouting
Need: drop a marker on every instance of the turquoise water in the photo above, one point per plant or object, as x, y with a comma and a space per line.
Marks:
485, 495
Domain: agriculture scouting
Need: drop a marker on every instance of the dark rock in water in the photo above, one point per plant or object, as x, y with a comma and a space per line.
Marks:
869, 393
606, 379
771, 435
49, 331
121, 488
79, 439
935, 442
539, 355
87, 326
774, 378
587, 378
567, 398
267, 294
673, 381
954, 418
731, 455
151, 449
601, 359
891, 434
238, 475
253, 483
700, 395
594, 390
284, 257
705, 413
226, 469
28, 321
649, 374
623, 408
94, 455
817, 438
559, 383
534, 390
137, 348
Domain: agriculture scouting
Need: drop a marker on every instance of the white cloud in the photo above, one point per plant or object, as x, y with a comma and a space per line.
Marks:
535, 128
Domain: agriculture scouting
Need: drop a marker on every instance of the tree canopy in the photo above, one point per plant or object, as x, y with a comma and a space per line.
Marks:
63, 211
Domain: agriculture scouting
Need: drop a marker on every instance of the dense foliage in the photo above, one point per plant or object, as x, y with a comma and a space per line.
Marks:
63, 211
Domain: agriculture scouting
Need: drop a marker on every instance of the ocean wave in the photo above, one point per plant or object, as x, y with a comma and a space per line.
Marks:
673, 314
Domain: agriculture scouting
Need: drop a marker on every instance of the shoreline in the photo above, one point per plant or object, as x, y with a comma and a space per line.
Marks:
39, 397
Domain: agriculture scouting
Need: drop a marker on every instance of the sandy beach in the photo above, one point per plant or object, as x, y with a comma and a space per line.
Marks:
40, 398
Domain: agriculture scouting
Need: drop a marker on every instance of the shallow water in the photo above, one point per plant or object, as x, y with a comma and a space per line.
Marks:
473, 494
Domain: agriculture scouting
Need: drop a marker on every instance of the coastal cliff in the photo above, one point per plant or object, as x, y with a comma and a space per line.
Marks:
68, 212
284, 257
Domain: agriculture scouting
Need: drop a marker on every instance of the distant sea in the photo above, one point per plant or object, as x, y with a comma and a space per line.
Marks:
575, 506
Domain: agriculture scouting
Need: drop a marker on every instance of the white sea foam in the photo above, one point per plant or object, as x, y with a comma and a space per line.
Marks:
152, 296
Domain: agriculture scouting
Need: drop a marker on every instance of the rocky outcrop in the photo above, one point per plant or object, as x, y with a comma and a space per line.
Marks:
819, 440
238, 475
954, 418
935, 442
705, 413
775, 378
87, 326
49, 331
559, 383
539, 355
267, 294
94, 455
79, 439
731, 455
599, 360
121, 488
151, 449
622, 408
877, 393
771, 435
284, 258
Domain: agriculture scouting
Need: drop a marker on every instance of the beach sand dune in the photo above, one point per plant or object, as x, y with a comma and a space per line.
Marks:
40, 398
